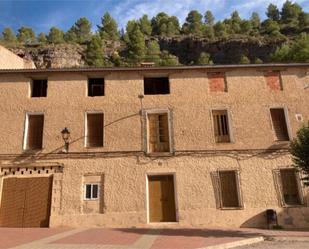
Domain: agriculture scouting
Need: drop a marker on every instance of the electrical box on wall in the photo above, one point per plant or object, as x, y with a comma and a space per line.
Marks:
299, 117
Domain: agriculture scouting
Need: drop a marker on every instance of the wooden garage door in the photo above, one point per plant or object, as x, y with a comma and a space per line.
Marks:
25, 202
161, 198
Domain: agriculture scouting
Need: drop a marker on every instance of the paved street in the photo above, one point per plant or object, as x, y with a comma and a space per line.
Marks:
277, 245
150, 238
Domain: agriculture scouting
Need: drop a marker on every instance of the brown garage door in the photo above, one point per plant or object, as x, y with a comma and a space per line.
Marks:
25, 202
161, 198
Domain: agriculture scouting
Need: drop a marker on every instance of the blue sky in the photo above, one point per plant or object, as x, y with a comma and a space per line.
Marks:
43, 14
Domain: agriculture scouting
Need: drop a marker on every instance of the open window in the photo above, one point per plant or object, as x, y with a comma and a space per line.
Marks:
156, 85
158, 132
94, 129
279, 124
38, 88
229, 189
34, 132
221, 126
96, 87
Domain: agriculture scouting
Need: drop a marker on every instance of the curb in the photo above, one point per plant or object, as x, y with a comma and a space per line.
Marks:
287, 239
243, 242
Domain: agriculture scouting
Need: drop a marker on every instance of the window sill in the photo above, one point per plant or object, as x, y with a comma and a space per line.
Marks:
232, 208
32, 151
160, 154
294, 206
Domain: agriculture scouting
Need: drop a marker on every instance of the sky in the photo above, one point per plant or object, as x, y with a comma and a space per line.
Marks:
41, 15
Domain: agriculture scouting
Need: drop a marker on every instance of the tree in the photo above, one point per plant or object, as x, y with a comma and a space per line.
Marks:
290, 12
80, 32
109, 28
55, 36
8, 36
26, 35
244, 60
220, 30
145, 25
255, 21
94, 55
235, 23
136, 44
168, 59
209, 32
165, 25
273, 13
245, 27
300, 152
272, 28
282, 54
209, 18
300, 49
204, 59
42, 39
303, 20
153, 52
193, 24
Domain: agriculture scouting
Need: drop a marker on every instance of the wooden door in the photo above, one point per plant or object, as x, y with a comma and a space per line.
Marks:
26, 202
161, 198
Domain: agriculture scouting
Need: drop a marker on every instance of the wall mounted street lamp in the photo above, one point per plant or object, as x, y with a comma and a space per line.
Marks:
66, 137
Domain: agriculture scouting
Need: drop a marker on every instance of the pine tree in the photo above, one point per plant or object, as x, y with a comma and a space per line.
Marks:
209, 32
290, 12
70, 36
209, 18
282, 54
168, 59
164, 25
94, 55
8, 36
255, 21
42, 39
153, 52
204, 59
80, 32
273, 13
145, 25
193, 24
109, 28
244, 60
220, 30
26, 35
136, 45
55, 36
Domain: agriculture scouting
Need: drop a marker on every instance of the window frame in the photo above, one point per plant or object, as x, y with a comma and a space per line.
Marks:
157, 77
88, 84
238, 187
287, 121
158, 111
32, 86
26, 130
229, 116
91, 192
86, 129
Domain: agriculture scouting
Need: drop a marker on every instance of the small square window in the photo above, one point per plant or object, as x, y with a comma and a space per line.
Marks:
39, 88
154, 86
91, 191
96, 87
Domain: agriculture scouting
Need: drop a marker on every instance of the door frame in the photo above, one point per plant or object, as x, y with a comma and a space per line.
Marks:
175, 196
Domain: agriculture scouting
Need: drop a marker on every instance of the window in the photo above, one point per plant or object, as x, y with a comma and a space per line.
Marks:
217, 82
273, 80
158, 132
39, 88
34, 132
290, 189
94, 130
154, 86
229, 189
221, 126
91, 191
279, 124
95, 87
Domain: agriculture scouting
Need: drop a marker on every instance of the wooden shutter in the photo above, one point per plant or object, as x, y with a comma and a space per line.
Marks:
221, 126
158, 132
290, 188
279, 124
94, 129
278, 187
229, 189
35, 131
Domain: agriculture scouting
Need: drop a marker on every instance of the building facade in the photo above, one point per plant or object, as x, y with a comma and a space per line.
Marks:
175, 146
9, 60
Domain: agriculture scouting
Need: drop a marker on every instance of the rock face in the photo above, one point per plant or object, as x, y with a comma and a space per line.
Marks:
188, 50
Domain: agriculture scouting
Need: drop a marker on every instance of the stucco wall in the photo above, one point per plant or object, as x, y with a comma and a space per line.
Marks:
248, 100
9, 60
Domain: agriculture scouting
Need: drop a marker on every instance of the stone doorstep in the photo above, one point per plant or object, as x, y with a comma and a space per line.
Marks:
243, 242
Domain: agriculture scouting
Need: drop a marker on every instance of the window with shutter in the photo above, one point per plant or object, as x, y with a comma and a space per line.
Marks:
34, 132
279, 124
96, 87
221, 126
94, 135
158, 132
39, 88
229, 189
159, 85
290, 187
